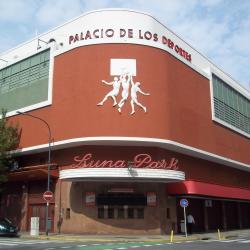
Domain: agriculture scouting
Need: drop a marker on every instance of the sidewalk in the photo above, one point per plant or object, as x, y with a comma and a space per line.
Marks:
130, 238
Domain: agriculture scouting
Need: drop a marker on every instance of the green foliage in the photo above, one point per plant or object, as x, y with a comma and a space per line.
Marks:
9, 140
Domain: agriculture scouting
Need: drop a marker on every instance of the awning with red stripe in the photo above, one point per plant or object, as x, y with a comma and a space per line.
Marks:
207, 189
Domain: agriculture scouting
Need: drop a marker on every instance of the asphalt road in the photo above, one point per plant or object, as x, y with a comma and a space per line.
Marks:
21, 244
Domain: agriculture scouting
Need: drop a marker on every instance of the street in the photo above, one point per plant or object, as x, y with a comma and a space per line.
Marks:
22, 244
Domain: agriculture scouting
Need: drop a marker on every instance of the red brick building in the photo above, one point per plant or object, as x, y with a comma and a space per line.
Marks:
139, 119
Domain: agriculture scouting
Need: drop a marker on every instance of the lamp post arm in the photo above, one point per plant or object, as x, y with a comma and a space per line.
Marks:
49, 162
23, 113
49, 130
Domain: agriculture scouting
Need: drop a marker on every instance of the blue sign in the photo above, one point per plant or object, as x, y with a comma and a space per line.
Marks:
184, 202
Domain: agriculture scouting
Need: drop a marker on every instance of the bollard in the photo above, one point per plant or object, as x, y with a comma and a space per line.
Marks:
219, 236
172, 236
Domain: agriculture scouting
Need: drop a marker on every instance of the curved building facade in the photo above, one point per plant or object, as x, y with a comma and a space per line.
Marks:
139, 120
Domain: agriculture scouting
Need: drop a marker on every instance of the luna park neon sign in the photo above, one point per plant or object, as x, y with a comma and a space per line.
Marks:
139, 161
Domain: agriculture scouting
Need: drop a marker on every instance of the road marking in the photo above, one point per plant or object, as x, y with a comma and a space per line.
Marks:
28, 241
229, 241
7, 244
147, 245
244, 241
20, 242
208, 241
16, 242
81, 245
46, 242
134, 246
159, 244
67, 247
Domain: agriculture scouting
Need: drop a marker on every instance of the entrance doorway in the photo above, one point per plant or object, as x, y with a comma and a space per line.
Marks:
121, 205
214, 215
39, 210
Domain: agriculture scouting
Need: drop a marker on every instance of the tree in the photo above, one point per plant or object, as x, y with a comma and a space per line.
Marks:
9, 140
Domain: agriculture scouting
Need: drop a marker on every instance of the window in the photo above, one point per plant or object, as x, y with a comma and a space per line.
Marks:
120, 213
25, 83
121, 199
111, 213
100, 212
130, 213
168, 213
67, 213
230, 106
121, 205
140, 213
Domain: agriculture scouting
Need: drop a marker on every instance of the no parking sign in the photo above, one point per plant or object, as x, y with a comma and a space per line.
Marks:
184, 202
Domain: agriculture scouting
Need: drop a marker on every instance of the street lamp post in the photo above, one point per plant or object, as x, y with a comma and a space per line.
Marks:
49, 163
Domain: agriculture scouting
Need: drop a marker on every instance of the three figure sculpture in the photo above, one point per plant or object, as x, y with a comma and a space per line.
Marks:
128, 87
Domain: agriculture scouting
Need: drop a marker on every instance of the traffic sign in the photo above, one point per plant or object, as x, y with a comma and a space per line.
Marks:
47, 196
184, 202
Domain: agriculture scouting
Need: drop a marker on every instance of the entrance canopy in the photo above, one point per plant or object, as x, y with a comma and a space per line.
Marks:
122, 174
32, 175
208, 189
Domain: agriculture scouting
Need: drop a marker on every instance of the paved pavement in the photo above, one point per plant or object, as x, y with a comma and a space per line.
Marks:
232, 240
128, 238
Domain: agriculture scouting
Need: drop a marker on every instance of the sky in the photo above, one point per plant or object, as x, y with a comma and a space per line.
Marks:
219, 29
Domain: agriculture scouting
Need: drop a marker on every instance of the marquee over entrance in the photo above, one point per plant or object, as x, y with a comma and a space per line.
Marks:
122, 174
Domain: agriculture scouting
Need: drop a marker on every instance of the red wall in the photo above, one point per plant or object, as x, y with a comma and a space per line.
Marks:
194, 169
179, 106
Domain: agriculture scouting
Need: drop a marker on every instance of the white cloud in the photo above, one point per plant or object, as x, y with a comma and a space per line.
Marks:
240, 38
167, 11
205, 35
210, 3
217, 28
54, 12
16, 10
100, 4
236, 66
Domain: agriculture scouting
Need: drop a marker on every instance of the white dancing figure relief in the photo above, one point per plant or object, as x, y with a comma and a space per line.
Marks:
134, 89
125, 90
123, 71
113, 93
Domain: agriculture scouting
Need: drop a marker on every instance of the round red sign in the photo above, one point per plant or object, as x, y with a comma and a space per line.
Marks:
48, 196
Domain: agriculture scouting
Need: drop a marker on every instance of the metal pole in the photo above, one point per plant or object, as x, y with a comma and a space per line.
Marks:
185, 221
49, 163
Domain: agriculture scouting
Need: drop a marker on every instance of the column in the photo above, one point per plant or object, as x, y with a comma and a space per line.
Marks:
205, 216
224, 217
25, 206
239, 215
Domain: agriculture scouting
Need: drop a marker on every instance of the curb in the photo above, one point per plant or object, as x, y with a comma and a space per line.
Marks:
98, 239
137, 238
